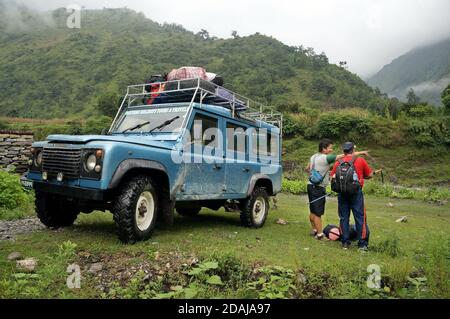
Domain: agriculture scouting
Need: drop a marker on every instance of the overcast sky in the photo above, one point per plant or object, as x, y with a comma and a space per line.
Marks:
366, 33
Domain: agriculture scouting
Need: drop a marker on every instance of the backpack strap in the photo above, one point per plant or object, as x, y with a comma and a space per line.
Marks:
352, 162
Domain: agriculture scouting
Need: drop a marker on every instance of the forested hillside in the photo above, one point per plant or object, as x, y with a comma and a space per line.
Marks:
75, 77
49, 70
426, 70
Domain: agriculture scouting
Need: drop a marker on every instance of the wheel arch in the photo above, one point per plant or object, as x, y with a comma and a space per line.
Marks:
133, 167
260, 180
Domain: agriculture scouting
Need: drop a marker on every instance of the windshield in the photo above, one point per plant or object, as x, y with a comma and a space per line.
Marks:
147, 119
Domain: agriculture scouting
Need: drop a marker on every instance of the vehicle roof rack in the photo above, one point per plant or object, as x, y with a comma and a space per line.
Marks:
197, 90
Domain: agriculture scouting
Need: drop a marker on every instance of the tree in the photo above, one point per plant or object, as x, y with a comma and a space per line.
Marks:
234, 34
108, 103
343, 64
446, 97
203, 34
412, 98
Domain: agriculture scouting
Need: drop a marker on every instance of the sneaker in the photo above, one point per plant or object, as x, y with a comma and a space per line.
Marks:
363, 249
345, 246
313, 233
319, 236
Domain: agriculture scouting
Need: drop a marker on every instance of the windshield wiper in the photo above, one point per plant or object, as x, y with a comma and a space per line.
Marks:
164, 124
136, 127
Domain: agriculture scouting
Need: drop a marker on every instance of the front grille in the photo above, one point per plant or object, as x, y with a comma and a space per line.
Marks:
62, 160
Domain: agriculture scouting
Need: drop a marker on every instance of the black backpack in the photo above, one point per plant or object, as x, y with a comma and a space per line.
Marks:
346, 180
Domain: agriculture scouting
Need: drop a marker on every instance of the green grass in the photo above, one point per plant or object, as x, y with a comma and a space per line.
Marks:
417, 249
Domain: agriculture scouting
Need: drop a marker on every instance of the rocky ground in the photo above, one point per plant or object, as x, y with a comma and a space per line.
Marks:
10, 229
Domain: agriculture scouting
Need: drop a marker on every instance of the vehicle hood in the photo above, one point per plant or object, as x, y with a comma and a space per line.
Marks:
155, 140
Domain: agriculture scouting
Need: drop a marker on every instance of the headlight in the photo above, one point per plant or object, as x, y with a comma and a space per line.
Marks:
36, 159
91, 162
39, 158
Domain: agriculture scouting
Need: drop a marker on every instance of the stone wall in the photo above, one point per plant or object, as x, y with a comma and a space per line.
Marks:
15, 150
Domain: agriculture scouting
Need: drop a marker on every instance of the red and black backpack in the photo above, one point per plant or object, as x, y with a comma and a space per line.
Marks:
346, 179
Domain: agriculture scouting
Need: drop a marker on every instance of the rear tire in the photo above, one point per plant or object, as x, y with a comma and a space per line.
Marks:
54, 211
254, 210
188, 212
136, 209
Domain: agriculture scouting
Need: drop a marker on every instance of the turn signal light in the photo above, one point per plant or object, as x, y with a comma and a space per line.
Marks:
99, 154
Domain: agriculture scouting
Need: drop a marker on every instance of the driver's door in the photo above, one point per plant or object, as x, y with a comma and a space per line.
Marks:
205, 171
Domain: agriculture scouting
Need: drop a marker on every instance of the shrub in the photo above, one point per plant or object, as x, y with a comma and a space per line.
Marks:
95, 125
433, 194
429, 131
294, 187
389, 133
11, 193
292, 127
422, 110
347, 124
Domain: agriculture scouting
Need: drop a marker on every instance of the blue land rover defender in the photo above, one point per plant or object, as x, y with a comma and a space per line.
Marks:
197, 145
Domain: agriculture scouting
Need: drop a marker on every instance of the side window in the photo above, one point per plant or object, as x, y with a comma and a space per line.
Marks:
236, 138
204, 130
255, 141
264, 143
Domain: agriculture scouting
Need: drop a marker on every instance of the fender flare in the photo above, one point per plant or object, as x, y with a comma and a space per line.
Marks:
128, 164
255, 178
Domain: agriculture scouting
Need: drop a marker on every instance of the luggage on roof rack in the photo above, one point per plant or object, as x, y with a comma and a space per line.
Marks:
187, 72
198, 90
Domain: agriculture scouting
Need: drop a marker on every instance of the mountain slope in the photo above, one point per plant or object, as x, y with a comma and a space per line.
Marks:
426, 70
48, 70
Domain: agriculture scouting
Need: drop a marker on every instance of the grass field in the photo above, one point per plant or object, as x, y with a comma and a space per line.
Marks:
414, 257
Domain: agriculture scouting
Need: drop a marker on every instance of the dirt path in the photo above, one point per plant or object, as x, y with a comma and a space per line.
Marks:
9, 229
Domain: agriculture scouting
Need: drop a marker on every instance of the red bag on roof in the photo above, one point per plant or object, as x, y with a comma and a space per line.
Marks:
187, 72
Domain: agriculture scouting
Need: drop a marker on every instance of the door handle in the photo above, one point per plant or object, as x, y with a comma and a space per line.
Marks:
246, 170
217, 167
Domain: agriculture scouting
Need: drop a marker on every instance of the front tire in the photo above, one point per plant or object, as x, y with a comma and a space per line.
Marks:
254, 210
54, 211
135, 209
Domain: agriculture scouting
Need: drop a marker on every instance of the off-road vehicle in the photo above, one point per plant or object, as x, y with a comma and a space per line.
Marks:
193, 147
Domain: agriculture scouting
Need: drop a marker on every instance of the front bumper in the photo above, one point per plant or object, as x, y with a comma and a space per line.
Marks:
64, 190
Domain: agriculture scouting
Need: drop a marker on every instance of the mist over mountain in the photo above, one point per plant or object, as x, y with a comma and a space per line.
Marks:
49, 70
426, 70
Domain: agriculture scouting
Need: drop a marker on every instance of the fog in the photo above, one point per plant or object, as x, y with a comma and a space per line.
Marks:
366, 33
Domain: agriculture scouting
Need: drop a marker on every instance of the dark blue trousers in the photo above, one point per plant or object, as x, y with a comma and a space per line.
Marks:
355, 203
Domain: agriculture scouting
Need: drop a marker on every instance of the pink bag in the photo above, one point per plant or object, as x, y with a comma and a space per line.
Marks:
187, 72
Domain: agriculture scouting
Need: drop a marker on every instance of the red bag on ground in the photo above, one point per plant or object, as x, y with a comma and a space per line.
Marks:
187, 72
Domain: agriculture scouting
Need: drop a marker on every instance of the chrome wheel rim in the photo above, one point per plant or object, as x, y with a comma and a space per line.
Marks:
145, 210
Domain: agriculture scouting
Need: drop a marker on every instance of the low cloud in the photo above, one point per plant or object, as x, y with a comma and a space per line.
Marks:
19, 17
368, 34
431, 86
